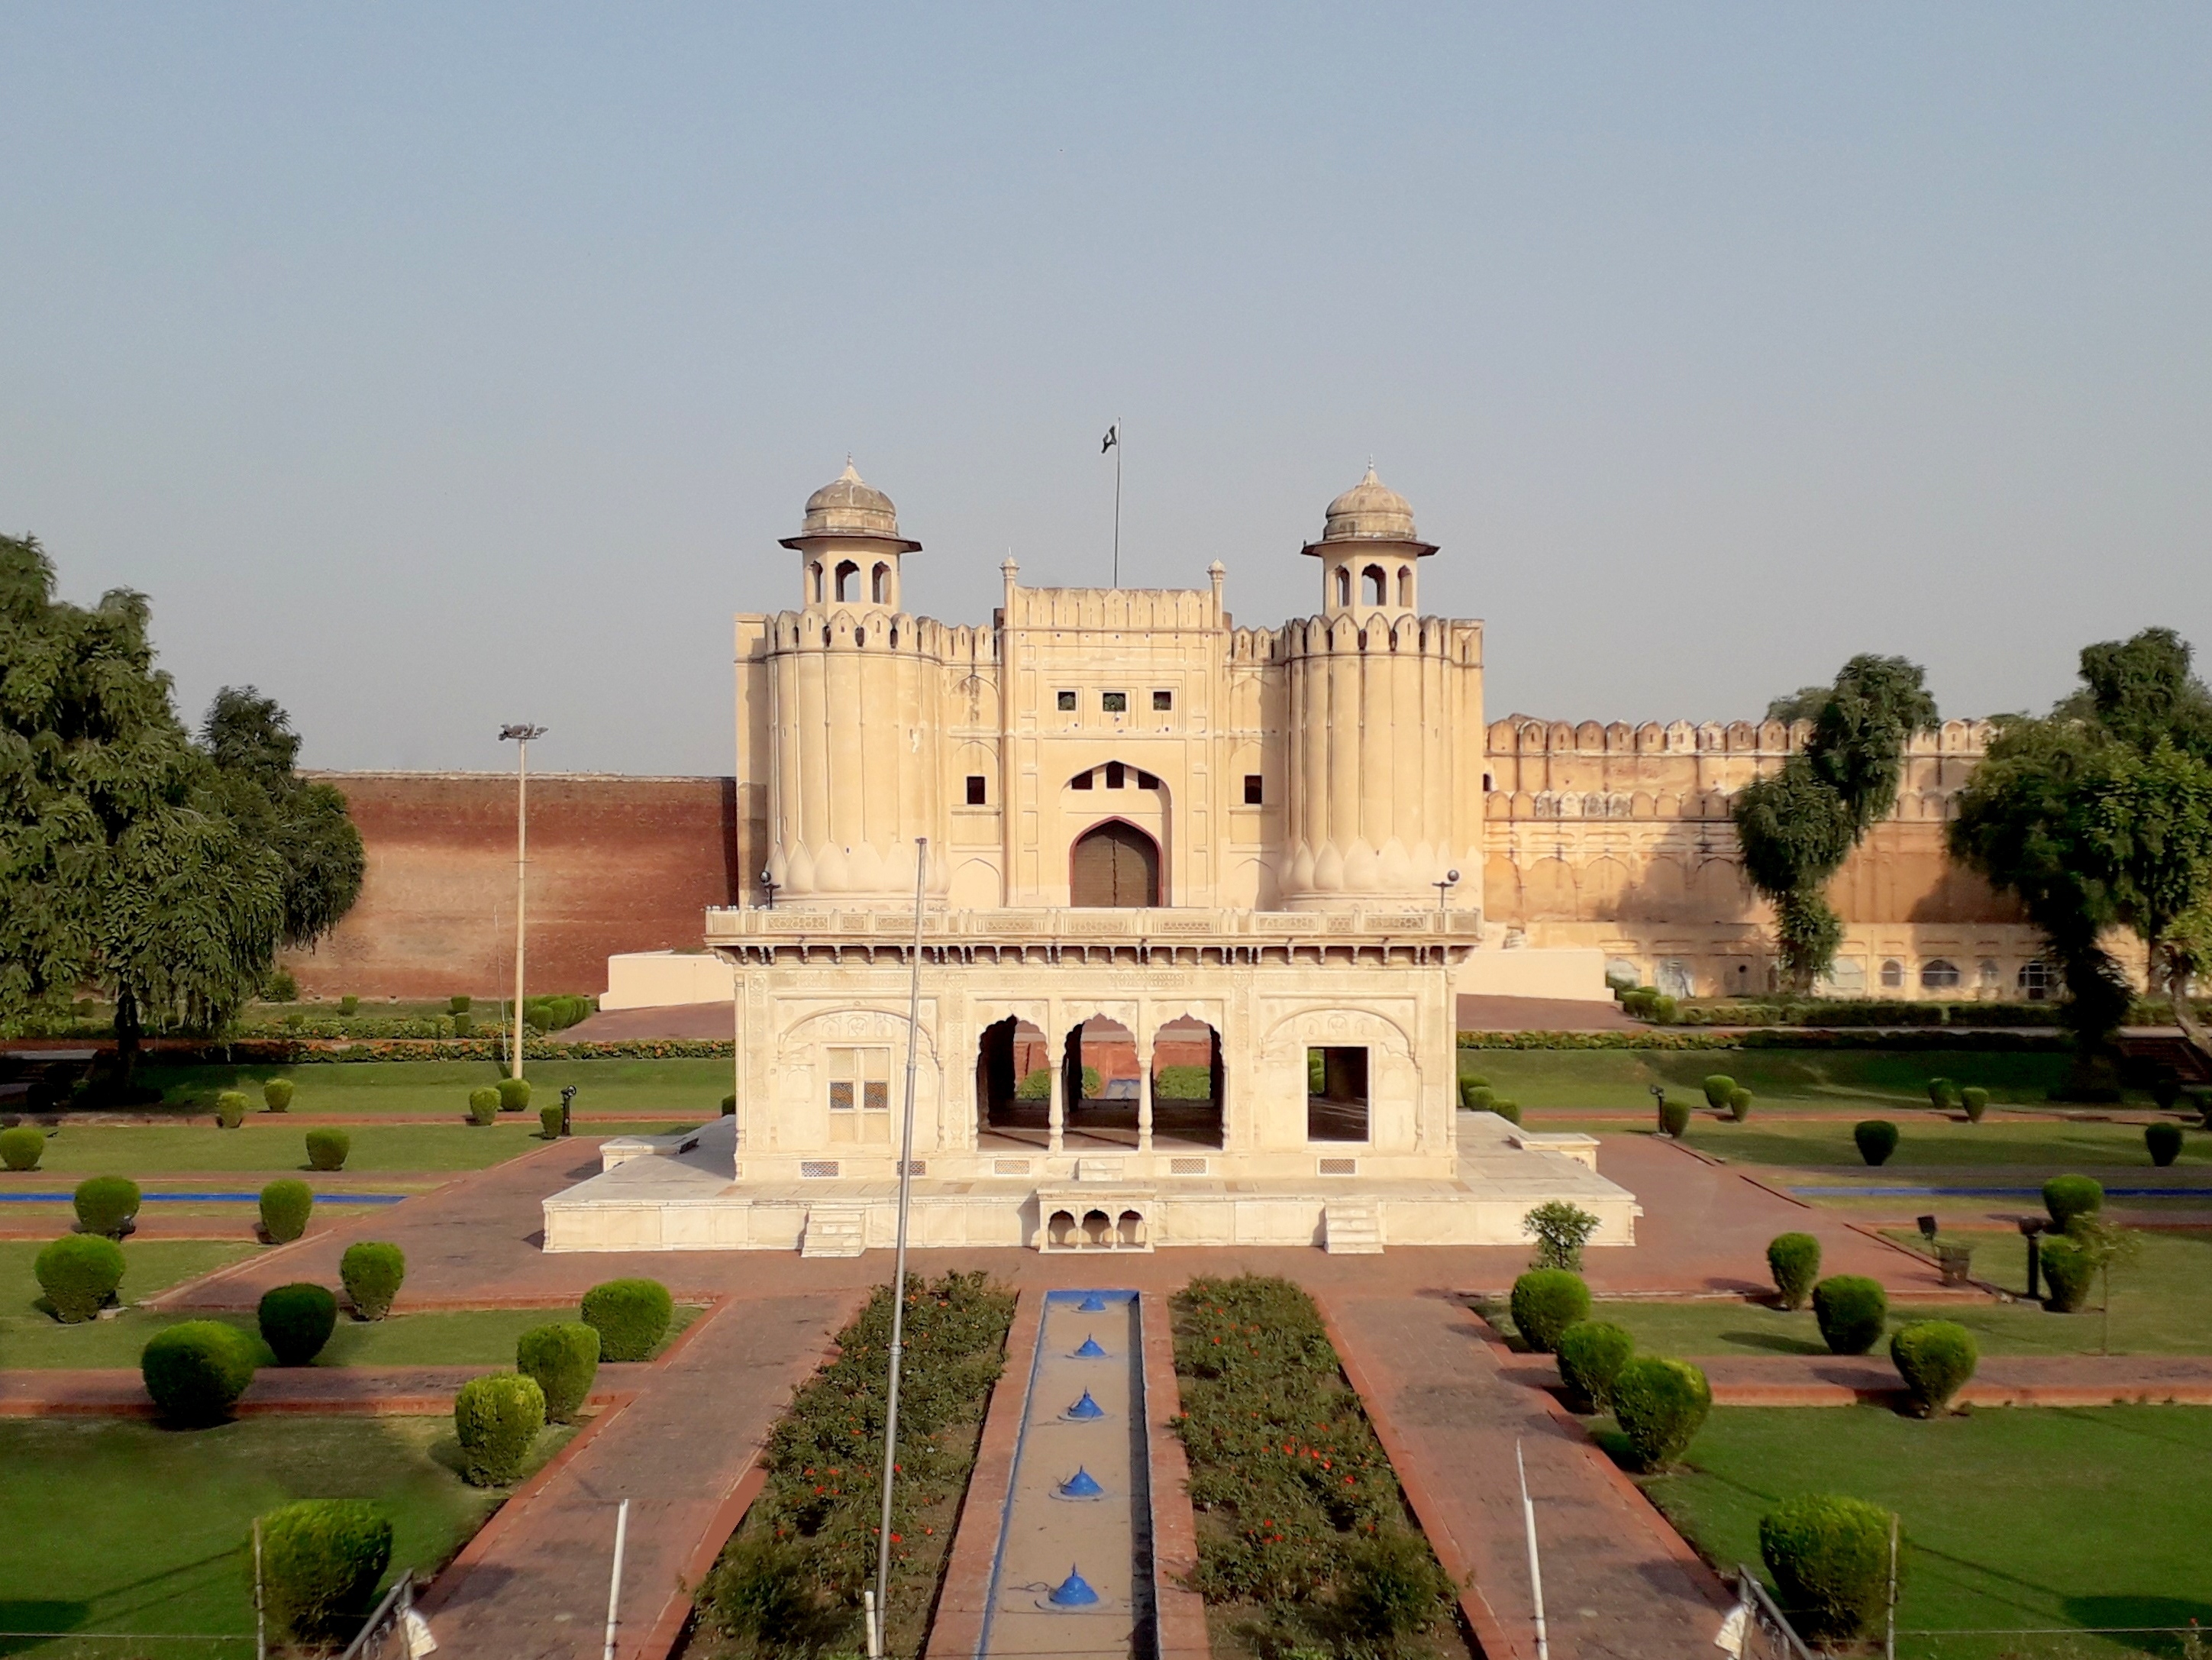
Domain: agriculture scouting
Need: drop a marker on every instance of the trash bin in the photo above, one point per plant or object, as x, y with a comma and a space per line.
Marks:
1956, 1259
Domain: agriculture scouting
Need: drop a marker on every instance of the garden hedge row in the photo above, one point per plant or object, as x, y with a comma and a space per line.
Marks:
1780, 1037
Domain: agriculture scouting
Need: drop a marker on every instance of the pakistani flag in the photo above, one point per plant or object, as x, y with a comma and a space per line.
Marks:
1112, 438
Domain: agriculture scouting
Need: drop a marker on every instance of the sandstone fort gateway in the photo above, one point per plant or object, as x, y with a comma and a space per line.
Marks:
1198, 902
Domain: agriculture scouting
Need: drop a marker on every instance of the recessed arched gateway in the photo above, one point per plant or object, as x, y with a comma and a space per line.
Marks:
1114, 866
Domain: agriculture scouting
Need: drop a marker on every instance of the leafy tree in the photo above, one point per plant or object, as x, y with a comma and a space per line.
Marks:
122, 864
1797, 826
2101, 817
1804, 704
251, 741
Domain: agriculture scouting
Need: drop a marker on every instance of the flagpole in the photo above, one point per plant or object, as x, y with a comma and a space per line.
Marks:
1117, 501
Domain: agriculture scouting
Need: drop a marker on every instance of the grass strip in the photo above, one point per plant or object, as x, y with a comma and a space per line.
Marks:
1305, 1542
788, 1583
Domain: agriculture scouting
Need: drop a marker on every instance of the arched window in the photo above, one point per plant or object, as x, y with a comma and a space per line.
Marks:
1892, 973
1405, 585
2035, 981
1343, 585
846, 570
1376, 587
879, 585
816, 568
1938, 975
1114, 865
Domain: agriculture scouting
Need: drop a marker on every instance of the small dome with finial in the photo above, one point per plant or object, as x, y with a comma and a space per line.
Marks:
848, 507
1371, 511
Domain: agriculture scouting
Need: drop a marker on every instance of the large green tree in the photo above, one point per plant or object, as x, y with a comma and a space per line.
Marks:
1798, 825
250, 741
129, 862
2099, 817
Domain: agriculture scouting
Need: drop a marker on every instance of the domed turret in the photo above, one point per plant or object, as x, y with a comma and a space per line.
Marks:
850, 543
1367, 547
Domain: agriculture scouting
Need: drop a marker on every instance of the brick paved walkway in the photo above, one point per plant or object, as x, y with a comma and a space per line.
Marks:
1618, 1582
534, 1582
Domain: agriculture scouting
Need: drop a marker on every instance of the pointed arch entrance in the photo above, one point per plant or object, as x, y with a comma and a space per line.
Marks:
1114, 866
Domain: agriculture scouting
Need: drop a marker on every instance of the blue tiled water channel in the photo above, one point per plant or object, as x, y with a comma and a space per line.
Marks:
1073, 1572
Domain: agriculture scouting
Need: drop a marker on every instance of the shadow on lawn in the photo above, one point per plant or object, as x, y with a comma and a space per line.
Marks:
2173, 1613
1778, 1342
24, 1615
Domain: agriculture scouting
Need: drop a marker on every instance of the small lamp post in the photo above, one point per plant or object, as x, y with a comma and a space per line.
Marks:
519, 735
567, 1101
2029, 1227
769, 885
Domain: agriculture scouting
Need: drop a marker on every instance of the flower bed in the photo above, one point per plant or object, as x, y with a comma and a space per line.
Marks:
1304, 1540
1774, 1037
788, 1583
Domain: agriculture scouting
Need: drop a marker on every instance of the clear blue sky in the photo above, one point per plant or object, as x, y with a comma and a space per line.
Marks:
436, 366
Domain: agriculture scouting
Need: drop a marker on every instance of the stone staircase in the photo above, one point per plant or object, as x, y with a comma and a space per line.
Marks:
1351, 1227
834, 1230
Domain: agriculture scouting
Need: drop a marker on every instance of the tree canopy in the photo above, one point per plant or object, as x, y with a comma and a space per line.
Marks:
133, 860
2099, 817
1798, 825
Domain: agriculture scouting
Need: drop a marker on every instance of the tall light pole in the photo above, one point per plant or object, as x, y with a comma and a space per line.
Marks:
520, 736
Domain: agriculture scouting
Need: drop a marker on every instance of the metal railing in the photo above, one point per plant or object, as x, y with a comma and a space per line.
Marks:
1767, 1634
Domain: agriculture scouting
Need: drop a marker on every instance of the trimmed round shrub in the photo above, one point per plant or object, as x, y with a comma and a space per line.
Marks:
79, 1272
497, 1420
348, 1005
1508, 1110
230, 1109
1794, 1259
1718, 1087
549, 1123
2069, 1196
564, 1359
729, 1106
1876, 1139
320, 1560
462, 1024
196, 1371
1976, 1100
2068, 1273
1660, 1405
327, 1149
1830, 1559
1475, 1098
1663, 1009
1545, 1302
285, 1207
23, 1147
1851, 1311
372, 1271
1935, 1358
296, 1321
630, 1316
1739, 1104
514, 1094
2164, 1141
1673, 1117
483, 1105
106, 1204
458, 1005
1591, 1355
1943, 1094
277, 1095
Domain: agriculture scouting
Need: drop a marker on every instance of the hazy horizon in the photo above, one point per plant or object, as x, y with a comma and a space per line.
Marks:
435, 367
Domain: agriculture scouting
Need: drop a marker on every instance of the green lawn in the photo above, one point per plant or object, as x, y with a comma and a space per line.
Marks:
269, 1143
118, 1526
1883, 1081
676, 1087
1928, 1141
2025, 1518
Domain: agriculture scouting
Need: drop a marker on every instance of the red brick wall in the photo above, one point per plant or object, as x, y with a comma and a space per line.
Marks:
616, 864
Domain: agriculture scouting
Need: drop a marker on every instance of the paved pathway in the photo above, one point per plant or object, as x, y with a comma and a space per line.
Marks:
534, 1582
1618, 1582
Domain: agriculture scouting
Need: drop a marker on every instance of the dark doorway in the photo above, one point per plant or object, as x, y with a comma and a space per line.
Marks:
1101, 1083
1187, 1082
1336, 1094
1114, 865
1013, 1077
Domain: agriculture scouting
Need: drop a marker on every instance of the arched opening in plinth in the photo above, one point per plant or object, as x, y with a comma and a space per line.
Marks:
1013, 1078
1188, 1086
1114, 866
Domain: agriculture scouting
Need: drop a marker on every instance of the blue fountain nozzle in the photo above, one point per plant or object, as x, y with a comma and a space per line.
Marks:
1072, 1592
1089, 1351
1086, 1408
1094, 1304
1081, 1485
